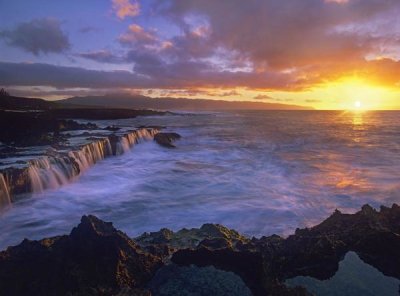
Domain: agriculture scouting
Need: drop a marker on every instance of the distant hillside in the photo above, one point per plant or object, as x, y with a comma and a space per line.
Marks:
58, 110
17, 103
143, 102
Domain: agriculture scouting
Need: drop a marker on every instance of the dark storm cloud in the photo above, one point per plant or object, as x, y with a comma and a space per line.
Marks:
38, 36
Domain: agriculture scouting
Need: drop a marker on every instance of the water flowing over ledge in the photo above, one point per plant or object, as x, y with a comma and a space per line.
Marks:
53, 171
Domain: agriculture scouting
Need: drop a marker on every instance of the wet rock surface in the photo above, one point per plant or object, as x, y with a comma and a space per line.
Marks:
96, 259
43, 144
165, 242
312, 252
46, 127
32, 122
55, 166
167, 139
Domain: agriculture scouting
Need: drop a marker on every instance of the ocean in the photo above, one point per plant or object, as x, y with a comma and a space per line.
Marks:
259, 172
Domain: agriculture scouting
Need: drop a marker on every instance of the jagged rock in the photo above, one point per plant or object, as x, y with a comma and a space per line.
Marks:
95, 259
167, 240
373, 235
265, 263
166, 139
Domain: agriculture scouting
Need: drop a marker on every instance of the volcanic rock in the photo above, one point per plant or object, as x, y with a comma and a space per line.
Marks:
166, 139
265, 263
165, 241
95, 259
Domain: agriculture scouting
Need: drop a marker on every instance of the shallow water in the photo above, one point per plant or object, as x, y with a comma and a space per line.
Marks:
353, 278
260, 172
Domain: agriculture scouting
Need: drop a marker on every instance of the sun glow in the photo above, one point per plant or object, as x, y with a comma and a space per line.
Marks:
355, 90
357, 105
355, 94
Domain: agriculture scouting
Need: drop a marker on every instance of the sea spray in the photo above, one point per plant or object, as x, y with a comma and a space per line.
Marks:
51, 172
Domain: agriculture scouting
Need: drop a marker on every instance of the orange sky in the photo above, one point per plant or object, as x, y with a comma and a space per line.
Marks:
326, 54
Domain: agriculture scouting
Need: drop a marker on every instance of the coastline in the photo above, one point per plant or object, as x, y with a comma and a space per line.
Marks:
62, 166
97, 259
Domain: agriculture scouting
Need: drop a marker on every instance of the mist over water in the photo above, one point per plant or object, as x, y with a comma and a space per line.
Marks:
260, 172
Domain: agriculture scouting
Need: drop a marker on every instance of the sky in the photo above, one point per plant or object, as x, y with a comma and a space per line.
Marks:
326, 54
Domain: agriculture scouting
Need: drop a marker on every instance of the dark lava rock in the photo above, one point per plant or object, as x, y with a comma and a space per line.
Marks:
166, 139
165, 242
265, 263
95, 259
34, 122
35, 128
112, 128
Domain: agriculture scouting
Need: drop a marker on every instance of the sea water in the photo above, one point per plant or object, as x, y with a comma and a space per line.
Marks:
259, 172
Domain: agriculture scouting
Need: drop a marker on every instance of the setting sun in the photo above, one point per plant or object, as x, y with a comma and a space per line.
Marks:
355, 94
357, 104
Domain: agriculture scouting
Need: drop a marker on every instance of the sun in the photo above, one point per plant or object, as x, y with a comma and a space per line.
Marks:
357, 94
357, 105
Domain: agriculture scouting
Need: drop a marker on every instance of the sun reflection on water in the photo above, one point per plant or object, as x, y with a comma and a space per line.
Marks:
359, 126
358, 119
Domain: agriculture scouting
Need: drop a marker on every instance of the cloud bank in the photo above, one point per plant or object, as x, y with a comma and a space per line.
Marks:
268, 45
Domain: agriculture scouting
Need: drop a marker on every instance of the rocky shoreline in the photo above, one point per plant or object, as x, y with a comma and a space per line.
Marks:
97, 259
46, 144
60, 165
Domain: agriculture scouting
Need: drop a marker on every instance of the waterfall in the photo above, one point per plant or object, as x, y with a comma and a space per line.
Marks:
51, 172
123, 146
127, 141
5, 199
48, 173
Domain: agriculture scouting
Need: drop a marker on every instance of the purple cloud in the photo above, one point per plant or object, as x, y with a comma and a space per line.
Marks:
38, 36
